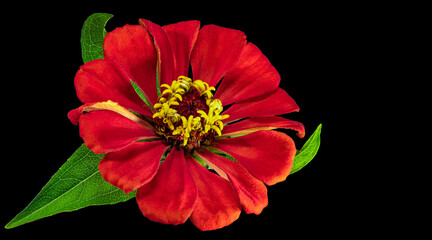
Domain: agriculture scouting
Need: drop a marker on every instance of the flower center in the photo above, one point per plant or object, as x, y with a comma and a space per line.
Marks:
187, 114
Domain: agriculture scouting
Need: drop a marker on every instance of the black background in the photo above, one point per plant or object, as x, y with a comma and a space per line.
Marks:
318, 50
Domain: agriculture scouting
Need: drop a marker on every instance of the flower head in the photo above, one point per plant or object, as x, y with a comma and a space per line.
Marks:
187, 115
140, 106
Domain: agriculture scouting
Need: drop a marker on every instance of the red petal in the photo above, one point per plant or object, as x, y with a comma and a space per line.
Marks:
133, 49
253, 76
255, 124
102, 80
216, 51
251, 192
106, 131
75, 114
170, 197
165, 66
182, 36
277, 103
267, 155
217, 204
132, 166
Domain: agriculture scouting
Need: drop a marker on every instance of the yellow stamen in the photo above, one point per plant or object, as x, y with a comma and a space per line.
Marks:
167, 91
216, 104
220, 125
178, 96
217, 130
165, 86
196, 123
189, 123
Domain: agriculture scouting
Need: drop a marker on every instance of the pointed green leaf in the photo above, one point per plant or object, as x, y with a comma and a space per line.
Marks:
77, 184
220, 153
92, 36
139, 92
201, 161
158, 83
308, 151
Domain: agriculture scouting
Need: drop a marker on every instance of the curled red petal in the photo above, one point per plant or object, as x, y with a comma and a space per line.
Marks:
132, 166
106, 131
276, 103
182, 36
132, 48
267, 155
253, 76
252, 193
217, 205
170, 197
165, 63
216, 51
255, 124
75, 114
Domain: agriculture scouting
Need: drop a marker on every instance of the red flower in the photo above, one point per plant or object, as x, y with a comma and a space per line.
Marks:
185, 117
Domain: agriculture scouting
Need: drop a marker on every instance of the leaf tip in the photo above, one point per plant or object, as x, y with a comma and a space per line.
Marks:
10, 225
308, 151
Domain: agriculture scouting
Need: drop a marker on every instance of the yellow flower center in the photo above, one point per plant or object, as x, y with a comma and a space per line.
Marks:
187, 114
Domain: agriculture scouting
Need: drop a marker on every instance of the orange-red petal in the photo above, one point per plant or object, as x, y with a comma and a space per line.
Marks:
170, 197
216, 51
255, 124
276, 103
182, 36
132, 166
132, 48
106, 131
252, 193
267, 155
217, 204
101, 80
253, 76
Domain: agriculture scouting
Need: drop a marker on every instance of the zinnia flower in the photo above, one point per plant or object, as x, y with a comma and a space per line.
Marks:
140, 106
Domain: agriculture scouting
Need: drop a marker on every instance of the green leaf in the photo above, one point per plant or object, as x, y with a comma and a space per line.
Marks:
77, 184
221, 153
92, 36
139, 92
201, 161
308, 151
